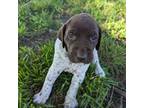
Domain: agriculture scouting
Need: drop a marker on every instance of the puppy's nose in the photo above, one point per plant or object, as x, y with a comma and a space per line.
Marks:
82, 55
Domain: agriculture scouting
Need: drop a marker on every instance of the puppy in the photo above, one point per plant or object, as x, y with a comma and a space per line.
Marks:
75, 49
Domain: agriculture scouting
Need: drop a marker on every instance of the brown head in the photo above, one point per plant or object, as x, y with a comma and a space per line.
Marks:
80, 35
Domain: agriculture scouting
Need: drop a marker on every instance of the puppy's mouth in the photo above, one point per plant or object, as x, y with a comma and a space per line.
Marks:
79, 60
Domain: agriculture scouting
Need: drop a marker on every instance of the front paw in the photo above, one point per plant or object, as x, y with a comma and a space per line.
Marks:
100, 72
39, 98
70, 102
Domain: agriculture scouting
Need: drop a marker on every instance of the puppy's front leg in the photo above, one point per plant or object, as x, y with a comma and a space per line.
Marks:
99, 70
52, 75
70, 99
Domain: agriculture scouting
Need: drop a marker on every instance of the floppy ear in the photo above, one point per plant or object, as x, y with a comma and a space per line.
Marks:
61, 34
99, 39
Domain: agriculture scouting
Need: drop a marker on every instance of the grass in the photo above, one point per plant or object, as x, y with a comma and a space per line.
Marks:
37, 17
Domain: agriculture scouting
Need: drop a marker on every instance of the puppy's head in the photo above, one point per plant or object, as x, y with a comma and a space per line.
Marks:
80, 35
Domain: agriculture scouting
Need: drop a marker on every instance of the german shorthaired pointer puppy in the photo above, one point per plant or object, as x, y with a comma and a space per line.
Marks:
75, 48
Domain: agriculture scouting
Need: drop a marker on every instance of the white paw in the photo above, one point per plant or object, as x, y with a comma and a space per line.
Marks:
70, 102
100, 72
40, 98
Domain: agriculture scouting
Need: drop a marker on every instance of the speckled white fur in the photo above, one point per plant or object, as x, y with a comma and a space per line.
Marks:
62, 63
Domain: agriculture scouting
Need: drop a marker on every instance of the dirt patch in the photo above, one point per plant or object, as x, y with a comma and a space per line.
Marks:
36, 40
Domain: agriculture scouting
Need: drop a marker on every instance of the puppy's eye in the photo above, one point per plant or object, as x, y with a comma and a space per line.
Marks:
93, 38
71, 36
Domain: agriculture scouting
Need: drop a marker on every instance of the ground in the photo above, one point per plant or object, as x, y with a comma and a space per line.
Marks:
39, 21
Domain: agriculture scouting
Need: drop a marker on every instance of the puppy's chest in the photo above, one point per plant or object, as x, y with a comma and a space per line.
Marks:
75, 68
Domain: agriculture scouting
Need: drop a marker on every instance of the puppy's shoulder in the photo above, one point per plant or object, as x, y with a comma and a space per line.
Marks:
58, 46
60, 51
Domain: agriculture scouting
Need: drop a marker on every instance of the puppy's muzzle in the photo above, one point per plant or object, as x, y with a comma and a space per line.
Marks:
82, 55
